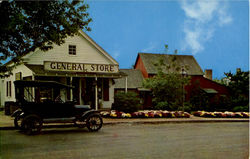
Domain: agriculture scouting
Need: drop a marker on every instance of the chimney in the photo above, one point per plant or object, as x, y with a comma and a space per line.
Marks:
209, 74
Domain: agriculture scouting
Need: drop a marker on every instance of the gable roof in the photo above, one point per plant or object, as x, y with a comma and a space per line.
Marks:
134, 79
149, 59
85, 36
97, 46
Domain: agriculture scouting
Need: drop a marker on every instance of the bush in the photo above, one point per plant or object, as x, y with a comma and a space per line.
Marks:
188, 107
126, 102
161, 106
241, 109
166, 106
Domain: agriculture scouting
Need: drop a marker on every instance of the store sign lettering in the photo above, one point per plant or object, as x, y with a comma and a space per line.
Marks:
80, 67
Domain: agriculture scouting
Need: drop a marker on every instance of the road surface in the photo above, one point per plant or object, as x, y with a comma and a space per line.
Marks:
133, 141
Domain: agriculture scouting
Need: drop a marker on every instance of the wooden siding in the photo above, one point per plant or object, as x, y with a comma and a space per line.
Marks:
85, 53
205, 83
25, 73
139, 65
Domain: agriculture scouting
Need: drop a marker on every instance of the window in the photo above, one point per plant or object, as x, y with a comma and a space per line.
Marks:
8, 88
19, 76
72, 49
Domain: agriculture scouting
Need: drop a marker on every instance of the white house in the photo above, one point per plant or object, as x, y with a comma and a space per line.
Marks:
79, 62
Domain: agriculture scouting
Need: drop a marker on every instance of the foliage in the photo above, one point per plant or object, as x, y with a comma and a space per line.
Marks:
239, 88
126, 102
28, 25
241, 109
160, 105
167, 85
188, 107
239, 83
220, 81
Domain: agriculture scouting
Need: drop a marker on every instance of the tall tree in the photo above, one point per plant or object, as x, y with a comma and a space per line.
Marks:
28, 25
239, 87
168, 84
239, 82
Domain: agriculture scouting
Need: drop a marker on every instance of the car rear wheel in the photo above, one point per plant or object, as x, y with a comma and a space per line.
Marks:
32, 124
94, 122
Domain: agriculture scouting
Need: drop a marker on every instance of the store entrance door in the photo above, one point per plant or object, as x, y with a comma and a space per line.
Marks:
75, 83
88, 91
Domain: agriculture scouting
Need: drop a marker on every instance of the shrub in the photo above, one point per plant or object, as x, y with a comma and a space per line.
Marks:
241, 109
126, 102
161, 106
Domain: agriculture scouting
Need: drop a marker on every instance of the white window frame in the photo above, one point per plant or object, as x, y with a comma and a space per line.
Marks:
72, 49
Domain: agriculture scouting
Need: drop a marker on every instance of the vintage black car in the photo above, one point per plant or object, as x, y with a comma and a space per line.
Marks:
40, 102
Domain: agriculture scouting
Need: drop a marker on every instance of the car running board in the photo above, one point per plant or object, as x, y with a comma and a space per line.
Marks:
59, 120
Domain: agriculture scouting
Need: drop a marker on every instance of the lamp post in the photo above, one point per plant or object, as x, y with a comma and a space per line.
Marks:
183, 73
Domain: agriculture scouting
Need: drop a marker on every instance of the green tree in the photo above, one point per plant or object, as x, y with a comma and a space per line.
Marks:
28, 25
239, 88
221, 81
167, 85
239, 82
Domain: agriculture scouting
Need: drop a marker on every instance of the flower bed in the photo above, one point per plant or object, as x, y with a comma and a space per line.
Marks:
145, 114
221, 114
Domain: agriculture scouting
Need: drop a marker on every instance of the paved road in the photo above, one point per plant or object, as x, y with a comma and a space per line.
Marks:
142, 141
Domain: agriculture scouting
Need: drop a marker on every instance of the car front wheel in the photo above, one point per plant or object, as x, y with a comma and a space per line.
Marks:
94, 122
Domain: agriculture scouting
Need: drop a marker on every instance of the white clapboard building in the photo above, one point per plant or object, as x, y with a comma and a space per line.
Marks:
79, 62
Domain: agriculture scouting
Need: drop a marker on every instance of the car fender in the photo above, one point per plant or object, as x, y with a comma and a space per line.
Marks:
87, 113
16, 113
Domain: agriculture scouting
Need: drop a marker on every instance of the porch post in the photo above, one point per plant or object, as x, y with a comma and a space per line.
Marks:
71, 90
96, 95
80, 90
33, 89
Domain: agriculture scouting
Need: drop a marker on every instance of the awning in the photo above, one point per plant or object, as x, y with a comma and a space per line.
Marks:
209, 90
38, 70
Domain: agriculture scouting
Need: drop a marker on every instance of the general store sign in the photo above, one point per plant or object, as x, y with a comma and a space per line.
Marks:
80, 67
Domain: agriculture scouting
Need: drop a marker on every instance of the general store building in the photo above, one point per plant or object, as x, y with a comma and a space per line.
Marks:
79, 62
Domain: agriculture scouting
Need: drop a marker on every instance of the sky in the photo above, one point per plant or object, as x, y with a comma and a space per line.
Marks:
215, 32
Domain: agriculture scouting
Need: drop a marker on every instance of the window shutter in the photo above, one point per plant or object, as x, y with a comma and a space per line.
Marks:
10, 88
7, 89
106, 89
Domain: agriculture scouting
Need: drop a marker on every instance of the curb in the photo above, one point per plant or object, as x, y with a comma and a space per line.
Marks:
137, 122
175, 121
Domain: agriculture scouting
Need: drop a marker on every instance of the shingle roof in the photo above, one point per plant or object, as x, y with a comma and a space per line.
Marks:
135, 79
150, 59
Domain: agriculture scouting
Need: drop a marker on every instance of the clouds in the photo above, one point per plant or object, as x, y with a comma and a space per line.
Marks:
151, 47
201, 20
116, 54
